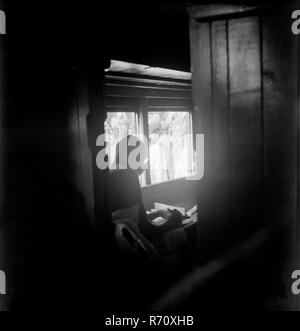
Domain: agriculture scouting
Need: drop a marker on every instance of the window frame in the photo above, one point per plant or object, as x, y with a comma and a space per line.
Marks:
141, 103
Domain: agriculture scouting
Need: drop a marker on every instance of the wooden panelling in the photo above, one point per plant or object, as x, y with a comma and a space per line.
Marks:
2, 50
221, 120
123, 108
202, 94
127, 102
86, 159
134, 91
280, 111
134, 80
201, 73
203, 12
254, 121
251, 124
115, 102
3, 231
172, 108
74, 133
246, 116
202, 116
168, 102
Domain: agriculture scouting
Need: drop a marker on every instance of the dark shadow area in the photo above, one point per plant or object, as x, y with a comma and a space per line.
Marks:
59, 258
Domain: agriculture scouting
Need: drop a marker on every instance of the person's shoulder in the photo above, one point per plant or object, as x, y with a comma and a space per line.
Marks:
123, 173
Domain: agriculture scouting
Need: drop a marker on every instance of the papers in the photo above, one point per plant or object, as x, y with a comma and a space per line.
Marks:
191, 216
159, 221
190, 221
192, 211
162, 206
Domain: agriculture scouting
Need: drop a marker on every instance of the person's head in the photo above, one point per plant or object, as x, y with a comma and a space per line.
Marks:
154, 138
131, 153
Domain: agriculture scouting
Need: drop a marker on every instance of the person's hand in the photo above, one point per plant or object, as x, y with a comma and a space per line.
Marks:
164, 213
175, 219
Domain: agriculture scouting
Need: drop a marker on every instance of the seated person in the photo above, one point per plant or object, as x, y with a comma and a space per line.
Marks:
134, 194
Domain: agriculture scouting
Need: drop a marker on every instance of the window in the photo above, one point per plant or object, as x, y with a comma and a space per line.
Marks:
160, 109
117, 126
170, 146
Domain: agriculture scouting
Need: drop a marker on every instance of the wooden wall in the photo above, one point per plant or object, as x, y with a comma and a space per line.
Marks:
245, 101
81, 153
86, 123
2, 54
2, 104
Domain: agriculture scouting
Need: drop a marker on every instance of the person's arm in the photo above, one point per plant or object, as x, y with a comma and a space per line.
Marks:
172, 221
146, 226
158, 213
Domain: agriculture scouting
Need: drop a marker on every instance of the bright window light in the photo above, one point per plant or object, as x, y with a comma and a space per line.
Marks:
171, 149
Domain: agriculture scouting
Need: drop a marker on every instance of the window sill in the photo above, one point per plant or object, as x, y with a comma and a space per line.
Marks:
173, 181
178, 192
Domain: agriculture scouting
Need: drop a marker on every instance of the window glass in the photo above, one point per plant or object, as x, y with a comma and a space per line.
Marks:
170, 146
117, 126
170, 143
